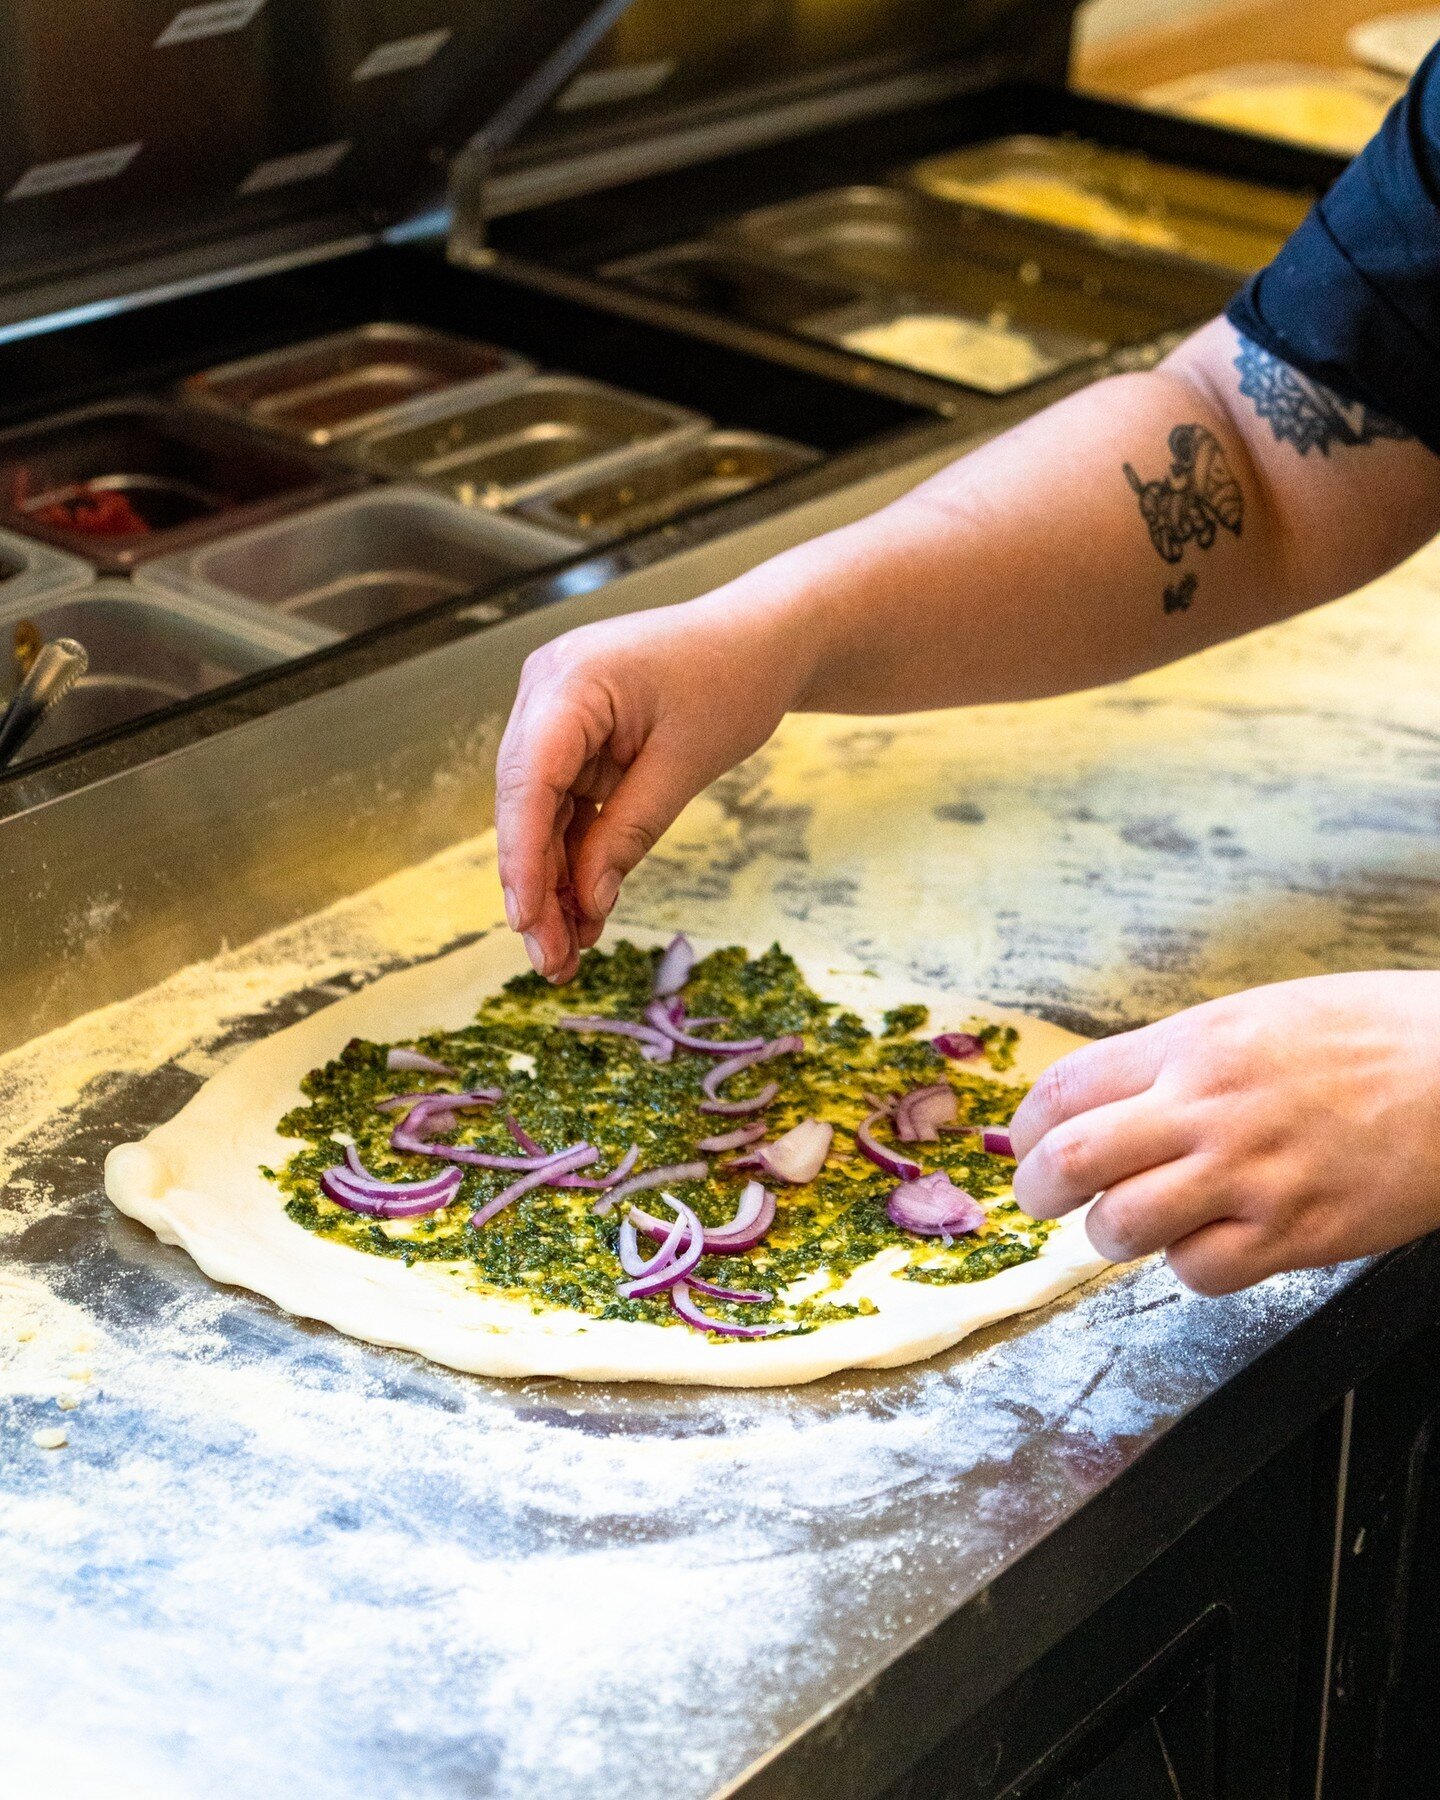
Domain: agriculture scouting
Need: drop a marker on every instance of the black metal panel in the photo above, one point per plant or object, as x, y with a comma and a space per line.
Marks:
134, 127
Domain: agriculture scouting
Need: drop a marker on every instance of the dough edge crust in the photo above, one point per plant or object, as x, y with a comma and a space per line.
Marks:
195, 1182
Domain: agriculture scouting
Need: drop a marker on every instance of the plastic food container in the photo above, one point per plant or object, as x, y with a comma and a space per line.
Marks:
147, 649
353, 381
1338, 110
132, 479
663, 488
363, 561
1118, 197
29, 570
516, 446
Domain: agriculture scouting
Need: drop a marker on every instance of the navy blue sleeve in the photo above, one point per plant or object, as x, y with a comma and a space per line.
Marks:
1353, 298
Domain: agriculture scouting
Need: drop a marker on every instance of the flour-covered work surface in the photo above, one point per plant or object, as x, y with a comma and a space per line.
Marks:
268, 1559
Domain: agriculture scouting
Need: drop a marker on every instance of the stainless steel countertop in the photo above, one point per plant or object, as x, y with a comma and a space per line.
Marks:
271, 1561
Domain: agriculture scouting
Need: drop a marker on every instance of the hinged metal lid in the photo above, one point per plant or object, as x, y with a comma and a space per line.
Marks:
148, 141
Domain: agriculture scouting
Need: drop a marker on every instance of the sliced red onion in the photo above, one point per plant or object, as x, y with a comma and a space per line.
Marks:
753, 1218
732, 1140
627, 1247
995, 1142
920, 1114
436, 1112
681, 1300
888, 1160
626, 1163
522, 1137
652, 1178
432, 1097
566, 1163
351, 1185
738, 1296
401, 1058
715, 1078
675, 967
659, 1017
797, 1157
655, 1046
959, 1046
356, 1197
674, 1260
933, 1206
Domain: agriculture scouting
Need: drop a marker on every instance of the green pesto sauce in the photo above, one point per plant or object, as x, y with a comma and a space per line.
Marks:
550, 1249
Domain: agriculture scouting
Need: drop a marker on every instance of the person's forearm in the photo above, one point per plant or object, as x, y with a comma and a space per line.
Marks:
1137, 521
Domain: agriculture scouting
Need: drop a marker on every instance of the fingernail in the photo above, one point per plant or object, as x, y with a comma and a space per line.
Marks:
512, 910
534, 952
607, 889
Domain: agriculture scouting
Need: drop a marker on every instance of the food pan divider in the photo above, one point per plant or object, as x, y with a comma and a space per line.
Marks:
29, 569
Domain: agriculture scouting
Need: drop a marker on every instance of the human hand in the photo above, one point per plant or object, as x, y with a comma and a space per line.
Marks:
615, 728
1285, 1128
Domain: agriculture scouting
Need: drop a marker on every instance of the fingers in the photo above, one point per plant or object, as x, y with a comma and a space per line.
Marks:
1225, 1256
1113, 1069
545, 746
650, 795
1096, 1149
1155, 1209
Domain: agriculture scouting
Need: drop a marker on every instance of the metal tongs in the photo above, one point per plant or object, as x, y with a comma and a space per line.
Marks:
46, 673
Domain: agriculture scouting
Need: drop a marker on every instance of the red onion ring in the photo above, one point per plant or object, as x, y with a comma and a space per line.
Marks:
522, 1137
680, 1299
738, 1296
401, 1058
996, 1142
674, 1172
655, 1046
566, 1163
626, 1163
683, 1247
732, 1140
888, 1160
659, 1017
921, 1113
797, 1157
355, 1197
674, 969
753, 1218
715, 1078
959, 1046
934, 1207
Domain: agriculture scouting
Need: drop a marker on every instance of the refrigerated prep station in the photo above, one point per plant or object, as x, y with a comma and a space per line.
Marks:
347, 353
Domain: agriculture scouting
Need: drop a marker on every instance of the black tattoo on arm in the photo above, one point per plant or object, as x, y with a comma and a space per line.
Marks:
1198, 497
1305, 413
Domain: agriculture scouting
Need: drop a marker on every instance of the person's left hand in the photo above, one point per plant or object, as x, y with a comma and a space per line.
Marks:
1284, 1128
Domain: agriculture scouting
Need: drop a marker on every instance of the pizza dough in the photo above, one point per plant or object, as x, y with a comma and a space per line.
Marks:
195, 1181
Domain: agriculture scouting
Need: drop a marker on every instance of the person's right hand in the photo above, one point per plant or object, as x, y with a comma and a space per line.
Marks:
616, 726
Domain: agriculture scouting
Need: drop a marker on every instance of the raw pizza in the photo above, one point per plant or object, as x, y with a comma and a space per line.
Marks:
688, 1165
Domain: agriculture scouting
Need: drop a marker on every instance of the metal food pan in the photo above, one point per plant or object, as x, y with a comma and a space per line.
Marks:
350, 382
365, 560
133, 479
1114, 196
147, 649
517, 446
736, 284
903, 243
28, 569
659, 489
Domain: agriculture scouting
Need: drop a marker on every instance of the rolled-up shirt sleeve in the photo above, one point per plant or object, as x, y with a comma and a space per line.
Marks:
1353, 297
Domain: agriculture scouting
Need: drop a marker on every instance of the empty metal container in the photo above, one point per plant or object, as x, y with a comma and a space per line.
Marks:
739, 286
147, 651
662, 488
516, 446
363, 561
28, 569
133, 479
352, 381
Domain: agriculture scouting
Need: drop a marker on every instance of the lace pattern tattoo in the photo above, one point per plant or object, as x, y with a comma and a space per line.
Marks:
1304, 413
